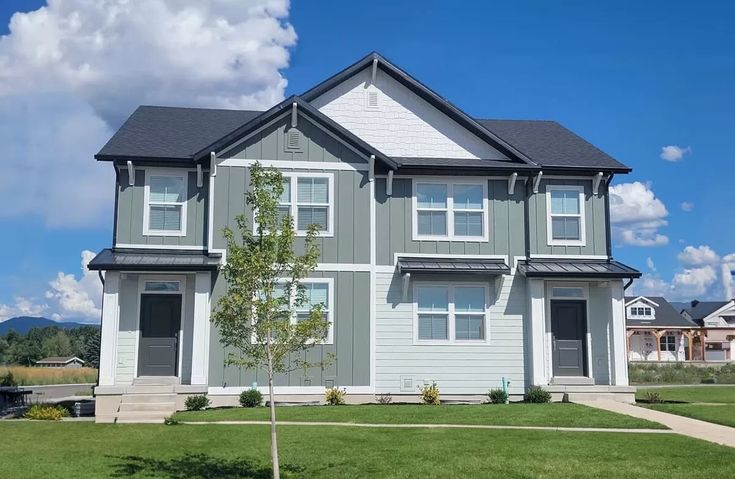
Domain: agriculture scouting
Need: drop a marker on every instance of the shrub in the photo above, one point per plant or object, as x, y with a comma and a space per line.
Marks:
429, 394
46, 412
680, 374
8, 380
709, 380
170, 421
653, 397
497, 396
197, 403
537, 394
335, 396
385, 398
251, 398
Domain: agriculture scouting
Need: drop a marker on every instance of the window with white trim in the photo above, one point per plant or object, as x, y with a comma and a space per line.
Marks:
312, 202
450, 210
641, 312
565, 225
668, 343
165, 209
317, 292
453, 313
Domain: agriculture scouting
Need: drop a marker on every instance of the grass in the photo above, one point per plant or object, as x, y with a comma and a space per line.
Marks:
680, 374
719, 414
28, 376
555, 414
701, 394
81, 449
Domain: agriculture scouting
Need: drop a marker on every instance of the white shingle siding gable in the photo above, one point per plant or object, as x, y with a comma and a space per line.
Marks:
456, 368
403, 124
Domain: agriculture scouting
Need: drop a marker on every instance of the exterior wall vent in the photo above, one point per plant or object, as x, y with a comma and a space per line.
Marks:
293, 140
372, 99
407, 384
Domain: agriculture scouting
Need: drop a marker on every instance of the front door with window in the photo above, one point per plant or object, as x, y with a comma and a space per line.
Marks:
160, 321
568, 329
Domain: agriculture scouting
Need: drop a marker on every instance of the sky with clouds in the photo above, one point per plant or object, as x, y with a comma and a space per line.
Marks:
650, 84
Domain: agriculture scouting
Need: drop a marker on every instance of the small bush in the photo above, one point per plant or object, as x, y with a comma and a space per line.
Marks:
385, 398
8, 380
46, 412
335, 396
653, 397
429, 394
709, 380
537, 394
197, 403
170, 421
497, 396
251, 398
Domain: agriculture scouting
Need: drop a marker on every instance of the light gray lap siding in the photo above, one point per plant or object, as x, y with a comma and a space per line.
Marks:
131, 205
595, 227
351, 344
395, 223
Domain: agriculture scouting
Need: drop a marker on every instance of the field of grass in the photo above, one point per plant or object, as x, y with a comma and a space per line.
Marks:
27, 376
701, 394
82, 449
716, 413
555, 415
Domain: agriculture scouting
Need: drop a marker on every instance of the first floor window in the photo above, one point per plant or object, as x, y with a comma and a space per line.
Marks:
668, 343
566, 214
166, 204
316, 292
451, 312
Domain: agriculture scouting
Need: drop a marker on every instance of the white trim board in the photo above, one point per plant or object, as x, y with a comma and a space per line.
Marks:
197, 249
287, 390
297, 165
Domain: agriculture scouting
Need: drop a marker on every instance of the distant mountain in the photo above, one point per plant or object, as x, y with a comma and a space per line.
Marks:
23, 324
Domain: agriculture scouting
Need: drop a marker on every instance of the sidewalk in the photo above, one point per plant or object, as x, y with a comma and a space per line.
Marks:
436, 426
679, 424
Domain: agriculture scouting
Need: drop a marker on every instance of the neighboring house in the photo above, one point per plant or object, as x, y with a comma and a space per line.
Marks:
658, 332
717, 318
453, 249
60, 362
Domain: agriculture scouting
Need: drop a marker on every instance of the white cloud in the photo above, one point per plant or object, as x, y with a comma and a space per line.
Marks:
699, 256
694, 282
728, 282
22, 307
687, 206
77, 298
72, 71
651, 285
651, 265
637, 215
674, 152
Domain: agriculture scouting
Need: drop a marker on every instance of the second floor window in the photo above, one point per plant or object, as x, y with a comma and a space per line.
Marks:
640, 311
308, 198
165, 212
565, 215
450, 211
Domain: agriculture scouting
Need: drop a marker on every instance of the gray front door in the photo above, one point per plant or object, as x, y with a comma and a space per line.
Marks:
568, 328
160, 320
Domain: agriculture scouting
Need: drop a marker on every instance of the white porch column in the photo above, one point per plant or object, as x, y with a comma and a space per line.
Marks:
109, 330
200, 332
618, 359
537, 326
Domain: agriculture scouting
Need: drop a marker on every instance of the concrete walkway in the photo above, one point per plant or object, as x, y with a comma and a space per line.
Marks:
706, 431
436, 426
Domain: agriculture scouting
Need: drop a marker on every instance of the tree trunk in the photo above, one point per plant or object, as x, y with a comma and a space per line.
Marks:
274, 439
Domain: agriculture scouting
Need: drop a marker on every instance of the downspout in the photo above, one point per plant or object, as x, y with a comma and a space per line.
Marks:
630, 281
526, 218
608, 226
114, 215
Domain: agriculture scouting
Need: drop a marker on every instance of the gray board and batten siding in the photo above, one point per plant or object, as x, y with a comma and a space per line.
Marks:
131, 204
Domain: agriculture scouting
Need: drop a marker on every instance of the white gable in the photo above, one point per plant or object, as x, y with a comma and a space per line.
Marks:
401, 123
723, 317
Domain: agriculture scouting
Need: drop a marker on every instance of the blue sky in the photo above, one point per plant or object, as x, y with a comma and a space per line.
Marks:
630, 77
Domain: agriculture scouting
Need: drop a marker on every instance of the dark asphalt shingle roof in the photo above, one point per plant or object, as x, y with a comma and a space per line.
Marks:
548, 268
173, 133
550, 144
57, 359
666, 315
452, 265
702, 309
138, 260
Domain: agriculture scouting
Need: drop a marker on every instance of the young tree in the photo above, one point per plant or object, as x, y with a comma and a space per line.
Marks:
256, 317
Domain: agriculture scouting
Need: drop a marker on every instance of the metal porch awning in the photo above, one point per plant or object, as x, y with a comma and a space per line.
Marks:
493, 267
569, 268
153, 260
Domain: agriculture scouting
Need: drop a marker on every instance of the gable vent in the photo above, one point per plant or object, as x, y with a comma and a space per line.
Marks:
371, 99
293, 139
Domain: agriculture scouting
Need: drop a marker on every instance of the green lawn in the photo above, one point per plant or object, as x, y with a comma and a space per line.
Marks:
719, 414
713, 394
82, 449
555, 414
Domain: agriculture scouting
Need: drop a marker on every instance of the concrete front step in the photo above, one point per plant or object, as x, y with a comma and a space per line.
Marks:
140, 417
150, 389
160, 407
148, 398
156, 380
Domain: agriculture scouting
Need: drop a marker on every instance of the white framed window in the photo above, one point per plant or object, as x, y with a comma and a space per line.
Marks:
641, 312
317, 291
450, 313
450, 210
165, 195
565, 216
568, 292
162, 286
309, 199
668, 343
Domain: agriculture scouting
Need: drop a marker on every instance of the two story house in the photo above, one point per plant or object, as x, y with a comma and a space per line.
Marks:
454, 249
